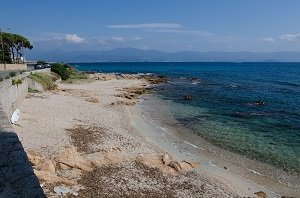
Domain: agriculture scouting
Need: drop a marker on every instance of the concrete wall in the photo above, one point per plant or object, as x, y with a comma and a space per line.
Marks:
17, 178
12, 95
35, 85
13, 67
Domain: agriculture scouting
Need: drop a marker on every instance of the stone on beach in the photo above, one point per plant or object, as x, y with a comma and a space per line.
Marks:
72, 158
261, 194
166, 159
46, 165
52, 178
41, 162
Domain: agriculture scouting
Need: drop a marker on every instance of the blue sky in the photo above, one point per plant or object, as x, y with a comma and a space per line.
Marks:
167, 25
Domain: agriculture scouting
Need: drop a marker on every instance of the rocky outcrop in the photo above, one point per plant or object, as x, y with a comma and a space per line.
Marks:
70, 157
261, 194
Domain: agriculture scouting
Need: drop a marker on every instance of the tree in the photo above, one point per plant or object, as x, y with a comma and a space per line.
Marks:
15, 43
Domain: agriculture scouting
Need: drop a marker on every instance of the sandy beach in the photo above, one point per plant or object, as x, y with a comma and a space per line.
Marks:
90, 139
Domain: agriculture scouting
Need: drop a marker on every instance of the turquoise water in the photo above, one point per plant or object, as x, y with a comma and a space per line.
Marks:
223, 108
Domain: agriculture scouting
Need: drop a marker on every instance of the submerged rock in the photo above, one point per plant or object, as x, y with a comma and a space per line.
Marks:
260, 102
188, 97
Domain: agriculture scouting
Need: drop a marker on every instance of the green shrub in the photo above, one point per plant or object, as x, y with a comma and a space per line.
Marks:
30, 90
1, 79
7, 77
61, 70
16, 82
12, 74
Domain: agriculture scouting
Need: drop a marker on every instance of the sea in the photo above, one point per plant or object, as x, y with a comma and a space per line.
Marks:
252, 109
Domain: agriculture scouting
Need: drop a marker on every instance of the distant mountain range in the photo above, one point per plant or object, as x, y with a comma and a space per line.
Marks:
138, 55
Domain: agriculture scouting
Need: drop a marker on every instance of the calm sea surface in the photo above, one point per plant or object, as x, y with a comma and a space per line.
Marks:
224, 108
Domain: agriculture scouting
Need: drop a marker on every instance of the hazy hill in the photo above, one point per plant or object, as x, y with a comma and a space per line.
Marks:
138, 55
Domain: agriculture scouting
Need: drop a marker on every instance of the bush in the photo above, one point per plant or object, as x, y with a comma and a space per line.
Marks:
12, 74
61, 70
16, 82
1, 79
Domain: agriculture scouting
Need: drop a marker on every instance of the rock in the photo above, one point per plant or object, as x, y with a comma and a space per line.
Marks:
260, 102
92, 99
46, 165
52, 178
188, 97
41, 162
261, 194
63, 166
96, 159
72, 158
166, 159
186, 166
175, 165
34, 158
62, 190
127, 103
75, 173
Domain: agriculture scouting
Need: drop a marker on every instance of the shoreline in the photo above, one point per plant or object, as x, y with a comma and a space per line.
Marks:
107, 104
183, 143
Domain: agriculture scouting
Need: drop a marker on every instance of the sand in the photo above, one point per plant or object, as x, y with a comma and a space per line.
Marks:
100, 118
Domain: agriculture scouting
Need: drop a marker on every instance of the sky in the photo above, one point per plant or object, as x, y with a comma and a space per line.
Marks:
166, 25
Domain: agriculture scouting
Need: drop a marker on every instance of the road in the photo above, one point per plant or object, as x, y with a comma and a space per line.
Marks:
4, 74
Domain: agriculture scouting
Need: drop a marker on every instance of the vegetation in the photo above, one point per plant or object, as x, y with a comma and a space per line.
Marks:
30, 90
12, 74
45, 79
67, 72
16, 82
62, 70
13, 45
1, 79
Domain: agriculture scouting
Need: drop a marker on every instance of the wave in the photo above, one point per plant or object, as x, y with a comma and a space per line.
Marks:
286, 83
193, 145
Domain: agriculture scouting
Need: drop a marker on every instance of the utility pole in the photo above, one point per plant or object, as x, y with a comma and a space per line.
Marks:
2, 44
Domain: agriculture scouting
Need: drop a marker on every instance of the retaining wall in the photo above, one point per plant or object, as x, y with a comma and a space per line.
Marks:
17, 178
13, 67
12, 95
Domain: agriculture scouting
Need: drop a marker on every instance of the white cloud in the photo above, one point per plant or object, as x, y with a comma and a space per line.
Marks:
190, 32
268, 39
290, 37
118, 39
73, 38
137, 38
147, 26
